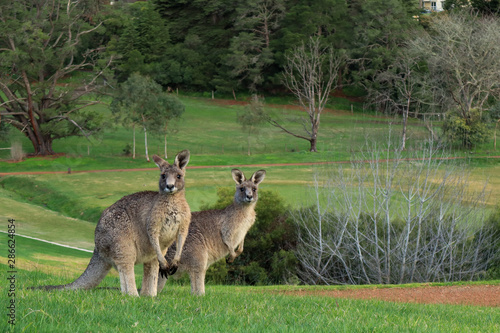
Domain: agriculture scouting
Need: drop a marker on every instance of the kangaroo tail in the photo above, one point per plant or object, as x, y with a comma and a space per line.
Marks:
95, 272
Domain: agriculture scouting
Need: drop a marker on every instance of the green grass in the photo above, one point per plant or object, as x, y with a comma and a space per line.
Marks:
85, 195
230, 309
36, 221
210, 131
224, 308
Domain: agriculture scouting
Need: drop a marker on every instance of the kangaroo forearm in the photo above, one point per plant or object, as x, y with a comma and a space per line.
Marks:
181, 237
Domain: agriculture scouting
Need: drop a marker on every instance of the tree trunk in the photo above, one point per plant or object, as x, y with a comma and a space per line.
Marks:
313, 142
133, 144
146, 143
405, 123
314, 137
166, 146
44, 147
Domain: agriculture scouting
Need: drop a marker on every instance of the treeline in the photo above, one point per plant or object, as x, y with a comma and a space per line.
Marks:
221, 45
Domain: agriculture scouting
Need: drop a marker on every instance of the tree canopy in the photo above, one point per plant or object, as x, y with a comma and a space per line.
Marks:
42, 43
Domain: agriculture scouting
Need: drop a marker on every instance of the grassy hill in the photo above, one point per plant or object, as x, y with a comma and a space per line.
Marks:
60, 206
64, 208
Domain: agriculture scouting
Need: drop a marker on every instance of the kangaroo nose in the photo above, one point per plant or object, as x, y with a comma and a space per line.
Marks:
170, 186
249, 197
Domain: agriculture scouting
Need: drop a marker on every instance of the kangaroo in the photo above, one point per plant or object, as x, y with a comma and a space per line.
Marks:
215, 233
139, 228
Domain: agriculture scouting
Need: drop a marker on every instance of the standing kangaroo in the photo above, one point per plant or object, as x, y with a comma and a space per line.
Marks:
139, 228
215, 233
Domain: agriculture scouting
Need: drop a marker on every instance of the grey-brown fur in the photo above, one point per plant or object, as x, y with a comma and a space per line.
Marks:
139, 228
213, 234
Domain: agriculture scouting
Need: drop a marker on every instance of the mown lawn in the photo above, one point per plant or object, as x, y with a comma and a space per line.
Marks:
229, 309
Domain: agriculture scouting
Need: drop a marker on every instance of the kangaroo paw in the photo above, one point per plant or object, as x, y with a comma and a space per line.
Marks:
229, 260
164, 272
172, 269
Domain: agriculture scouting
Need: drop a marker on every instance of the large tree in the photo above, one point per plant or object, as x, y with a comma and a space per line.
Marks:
40, 43
310, 74
142, 101
200, 31
250, 50
143, 42
462, 54
380, 28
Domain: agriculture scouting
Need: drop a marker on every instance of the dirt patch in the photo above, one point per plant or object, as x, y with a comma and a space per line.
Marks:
480, 295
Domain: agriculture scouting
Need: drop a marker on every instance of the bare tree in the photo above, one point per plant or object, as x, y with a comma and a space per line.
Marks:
310, 74
461, 53
395, 220
400, 88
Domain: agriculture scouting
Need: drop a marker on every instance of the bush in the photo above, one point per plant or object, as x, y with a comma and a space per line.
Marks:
398, 221
268, 256
493, 227
467, 132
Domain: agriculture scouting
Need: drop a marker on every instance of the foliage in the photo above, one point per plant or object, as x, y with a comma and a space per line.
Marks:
486, 7
467, 132
40, 44
200, 32
252, 117
250, 51
143, 42
380, 28
4, 131
140, 100
268, 257
224, 45
493, 226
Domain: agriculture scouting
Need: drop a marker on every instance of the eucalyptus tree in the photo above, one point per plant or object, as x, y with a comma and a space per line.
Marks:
140, 100
40, 44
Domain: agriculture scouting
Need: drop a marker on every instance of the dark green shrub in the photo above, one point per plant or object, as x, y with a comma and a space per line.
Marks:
466, 131
493, 226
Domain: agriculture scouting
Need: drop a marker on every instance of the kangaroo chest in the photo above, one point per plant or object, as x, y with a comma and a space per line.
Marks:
165, 219
239, 228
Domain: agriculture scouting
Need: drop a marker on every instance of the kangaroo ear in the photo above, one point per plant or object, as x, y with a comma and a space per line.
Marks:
238, 176
258, 177
160, 162
182, 159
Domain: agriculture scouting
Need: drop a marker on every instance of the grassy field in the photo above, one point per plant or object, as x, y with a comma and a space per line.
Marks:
210, 131
223, 309
235, 309
64, 208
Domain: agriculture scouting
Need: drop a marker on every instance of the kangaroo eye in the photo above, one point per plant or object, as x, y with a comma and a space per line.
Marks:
242, 189
254, 189
162, 176
179, 176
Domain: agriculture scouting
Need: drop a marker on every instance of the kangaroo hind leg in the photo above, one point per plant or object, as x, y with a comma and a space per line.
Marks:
127, 279
150, 279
